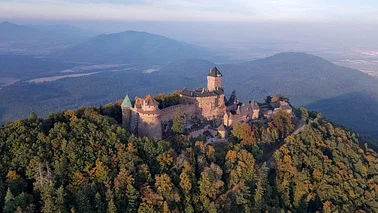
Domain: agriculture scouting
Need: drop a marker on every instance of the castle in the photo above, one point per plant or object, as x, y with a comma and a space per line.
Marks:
144, 117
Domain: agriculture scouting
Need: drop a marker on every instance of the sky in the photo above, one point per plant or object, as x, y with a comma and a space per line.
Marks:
357, 11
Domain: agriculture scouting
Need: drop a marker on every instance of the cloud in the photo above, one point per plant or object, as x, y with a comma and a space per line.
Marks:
191, 10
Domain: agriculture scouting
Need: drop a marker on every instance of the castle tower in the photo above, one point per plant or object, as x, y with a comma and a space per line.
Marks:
126, 112
222, 131
149, 103
149, 123
214, 79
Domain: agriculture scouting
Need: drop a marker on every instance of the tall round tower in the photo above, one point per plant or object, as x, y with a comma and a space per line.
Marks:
126, 112
214, 79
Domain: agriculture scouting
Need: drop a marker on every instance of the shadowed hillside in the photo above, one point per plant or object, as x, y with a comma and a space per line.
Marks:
354, 110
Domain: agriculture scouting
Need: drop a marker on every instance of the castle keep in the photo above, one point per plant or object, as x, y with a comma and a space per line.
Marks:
210, 100
145, 118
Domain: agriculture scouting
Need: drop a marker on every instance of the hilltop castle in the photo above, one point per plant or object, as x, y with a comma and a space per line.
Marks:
144, 117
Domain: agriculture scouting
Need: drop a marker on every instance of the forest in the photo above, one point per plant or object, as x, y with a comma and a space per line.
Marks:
85, 161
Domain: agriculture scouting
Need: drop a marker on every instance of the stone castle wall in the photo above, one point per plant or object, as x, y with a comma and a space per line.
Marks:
149, 125
199, 132
211, 106
256, 114
169, 113
246, 113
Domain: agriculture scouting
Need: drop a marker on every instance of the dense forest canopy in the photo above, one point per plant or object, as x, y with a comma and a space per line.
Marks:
85, 161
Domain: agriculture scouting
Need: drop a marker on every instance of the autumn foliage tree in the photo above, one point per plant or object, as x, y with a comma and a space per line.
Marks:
245, 132
282, 122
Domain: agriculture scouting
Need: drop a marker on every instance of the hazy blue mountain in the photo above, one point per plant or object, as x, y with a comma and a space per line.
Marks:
12, 32
132, 47
22, 39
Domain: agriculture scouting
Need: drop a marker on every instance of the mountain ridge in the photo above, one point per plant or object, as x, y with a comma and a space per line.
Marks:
37, 40
132, 47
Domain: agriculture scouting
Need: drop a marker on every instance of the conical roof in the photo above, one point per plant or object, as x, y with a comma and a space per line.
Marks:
126, 102
214, 72
150, 101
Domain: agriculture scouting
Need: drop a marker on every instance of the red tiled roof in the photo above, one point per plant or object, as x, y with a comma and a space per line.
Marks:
150, 101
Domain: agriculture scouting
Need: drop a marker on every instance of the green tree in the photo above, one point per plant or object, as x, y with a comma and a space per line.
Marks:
111, 206
302, 113
9, 205
82, 201
260, 188
60, 205
47, 196
178, 123
33, 116
99, 203
210, 186
132, 199
282, 121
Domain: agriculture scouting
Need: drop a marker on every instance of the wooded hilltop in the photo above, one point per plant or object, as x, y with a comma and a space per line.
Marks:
85, 161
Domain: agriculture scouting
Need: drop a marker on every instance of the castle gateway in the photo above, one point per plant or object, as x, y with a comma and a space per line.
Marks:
145, 118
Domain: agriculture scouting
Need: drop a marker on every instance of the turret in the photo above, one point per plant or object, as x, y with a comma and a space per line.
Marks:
150, 104
226, 119
214, 79
233, 99
222, 131
126, 112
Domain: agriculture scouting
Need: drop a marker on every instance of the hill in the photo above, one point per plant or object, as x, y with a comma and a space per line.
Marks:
11, 32
84, 161
132, 47
21, 39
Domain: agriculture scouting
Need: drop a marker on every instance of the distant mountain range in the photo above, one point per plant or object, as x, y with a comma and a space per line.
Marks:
22, 39
132, 47
13, 32
68, 43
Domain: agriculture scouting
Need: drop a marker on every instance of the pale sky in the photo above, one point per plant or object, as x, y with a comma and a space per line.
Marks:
357, 11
